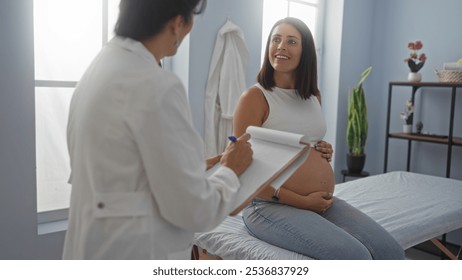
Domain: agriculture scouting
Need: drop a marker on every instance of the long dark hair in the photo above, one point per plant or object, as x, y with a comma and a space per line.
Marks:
142, 19
306, 82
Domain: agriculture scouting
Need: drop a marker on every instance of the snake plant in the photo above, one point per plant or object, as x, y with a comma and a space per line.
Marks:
357, 118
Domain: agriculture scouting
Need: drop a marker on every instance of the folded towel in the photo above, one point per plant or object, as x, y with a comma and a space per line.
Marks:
452, 66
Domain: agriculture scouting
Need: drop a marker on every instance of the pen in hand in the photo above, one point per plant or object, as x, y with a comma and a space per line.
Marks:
232, 139
238, 153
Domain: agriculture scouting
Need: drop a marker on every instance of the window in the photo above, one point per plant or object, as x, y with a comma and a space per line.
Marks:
67, 36
309, 11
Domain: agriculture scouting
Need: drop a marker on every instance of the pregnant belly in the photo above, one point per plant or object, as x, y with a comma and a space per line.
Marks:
314, 175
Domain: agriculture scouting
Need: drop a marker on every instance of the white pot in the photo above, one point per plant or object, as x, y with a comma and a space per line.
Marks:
414, 77
407, 128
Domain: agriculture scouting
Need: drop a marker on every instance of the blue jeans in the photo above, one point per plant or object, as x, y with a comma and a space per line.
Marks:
342, 232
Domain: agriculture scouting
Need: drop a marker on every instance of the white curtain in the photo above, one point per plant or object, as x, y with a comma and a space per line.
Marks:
225, 84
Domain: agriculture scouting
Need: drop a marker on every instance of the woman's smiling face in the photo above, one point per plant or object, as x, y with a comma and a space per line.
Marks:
285, 48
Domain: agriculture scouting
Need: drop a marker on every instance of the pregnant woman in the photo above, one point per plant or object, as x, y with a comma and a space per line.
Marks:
303, 216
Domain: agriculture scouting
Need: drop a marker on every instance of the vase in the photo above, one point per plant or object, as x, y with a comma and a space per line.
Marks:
356, 163
414, 77
407, 128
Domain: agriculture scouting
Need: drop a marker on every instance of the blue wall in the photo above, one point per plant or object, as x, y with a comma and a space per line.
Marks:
245, 14
376, 33
329, 75
18, 207
437, 24
354, 57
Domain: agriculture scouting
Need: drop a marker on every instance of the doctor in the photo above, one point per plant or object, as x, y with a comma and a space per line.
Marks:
139, 189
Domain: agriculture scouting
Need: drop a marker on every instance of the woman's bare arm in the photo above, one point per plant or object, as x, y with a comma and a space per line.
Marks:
251, 109
316, 201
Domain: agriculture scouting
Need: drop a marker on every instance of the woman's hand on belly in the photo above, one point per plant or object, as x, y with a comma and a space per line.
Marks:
325, 148
318, 201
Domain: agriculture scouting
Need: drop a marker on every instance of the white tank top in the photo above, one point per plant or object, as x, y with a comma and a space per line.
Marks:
289, 112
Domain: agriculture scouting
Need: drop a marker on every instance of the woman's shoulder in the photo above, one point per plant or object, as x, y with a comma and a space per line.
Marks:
252, 107
253, 94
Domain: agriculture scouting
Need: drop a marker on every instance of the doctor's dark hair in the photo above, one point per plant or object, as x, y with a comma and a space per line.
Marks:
142, 19
306, 81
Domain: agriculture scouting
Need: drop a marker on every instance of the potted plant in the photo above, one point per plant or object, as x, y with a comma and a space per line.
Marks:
408, 116
357, 126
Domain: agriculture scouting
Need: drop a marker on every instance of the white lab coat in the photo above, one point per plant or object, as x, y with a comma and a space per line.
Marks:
139, 189
225, 84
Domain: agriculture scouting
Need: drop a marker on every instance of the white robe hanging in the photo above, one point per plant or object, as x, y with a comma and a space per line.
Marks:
225, 84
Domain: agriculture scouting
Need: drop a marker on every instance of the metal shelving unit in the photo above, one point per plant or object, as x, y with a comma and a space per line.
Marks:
449, 141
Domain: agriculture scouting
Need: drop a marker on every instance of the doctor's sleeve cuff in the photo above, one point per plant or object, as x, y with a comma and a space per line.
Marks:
227, 175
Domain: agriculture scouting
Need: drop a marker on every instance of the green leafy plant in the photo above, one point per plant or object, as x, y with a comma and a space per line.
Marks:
357, 118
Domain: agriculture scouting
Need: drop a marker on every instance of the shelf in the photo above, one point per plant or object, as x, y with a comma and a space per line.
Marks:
457, 141
411, 137
426, 138
425, 84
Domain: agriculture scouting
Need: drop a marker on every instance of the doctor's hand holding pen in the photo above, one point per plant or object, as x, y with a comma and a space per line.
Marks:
237, 155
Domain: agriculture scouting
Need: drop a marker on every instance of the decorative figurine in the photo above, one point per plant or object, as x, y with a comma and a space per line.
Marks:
419, 127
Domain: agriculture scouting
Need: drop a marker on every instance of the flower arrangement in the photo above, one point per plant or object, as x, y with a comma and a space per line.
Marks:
415, 61
408, 113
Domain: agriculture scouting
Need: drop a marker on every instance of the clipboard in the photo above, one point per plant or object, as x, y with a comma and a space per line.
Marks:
276, 156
